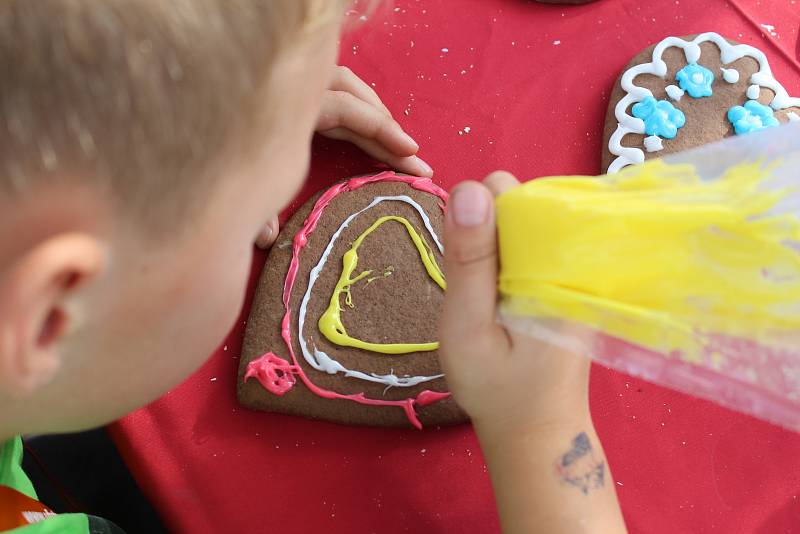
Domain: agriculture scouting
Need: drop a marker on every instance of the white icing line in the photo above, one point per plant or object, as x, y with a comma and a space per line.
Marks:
653, 143
658, 67
320, 360
753, 92
675, 92
794, 117
730, 75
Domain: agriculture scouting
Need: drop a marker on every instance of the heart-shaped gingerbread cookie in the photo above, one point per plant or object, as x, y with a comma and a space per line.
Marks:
344, 322
687, 91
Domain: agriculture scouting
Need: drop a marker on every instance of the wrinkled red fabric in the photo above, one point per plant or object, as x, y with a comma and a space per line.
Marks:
481, 85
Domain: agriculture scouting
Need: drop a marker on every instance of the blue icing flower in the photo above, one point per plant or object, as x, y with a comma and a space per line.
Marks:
752, 117
660, 117
696, 80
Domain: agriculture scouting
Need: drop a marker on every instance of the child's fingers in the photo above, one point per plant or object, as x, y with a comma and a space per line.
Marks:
408, 164
470, 263
341, 109
346, 80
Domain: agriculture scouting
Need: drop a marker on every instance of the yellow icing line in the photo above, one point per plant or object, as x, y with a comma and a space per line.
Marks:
654, 256
330, 324
386, 274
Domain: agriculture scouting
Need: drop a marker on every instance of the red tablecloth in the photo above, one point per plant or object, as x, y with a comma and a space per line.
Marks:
481, 84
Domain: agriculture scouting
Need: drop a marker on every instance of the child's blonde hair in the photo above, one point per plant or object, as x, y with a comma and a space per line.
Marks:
142, 95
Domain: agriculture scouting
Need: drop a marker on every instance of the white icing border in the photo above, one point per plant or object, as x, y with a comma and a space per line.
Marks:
633, 93
320, 360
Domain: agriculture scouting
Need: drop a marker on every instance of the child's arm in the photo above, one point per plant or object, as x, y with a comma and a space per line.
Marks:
528, 401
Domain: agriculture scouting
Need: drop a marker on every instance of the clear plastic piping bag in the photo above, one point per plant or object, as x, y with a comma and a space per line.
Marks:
684, 271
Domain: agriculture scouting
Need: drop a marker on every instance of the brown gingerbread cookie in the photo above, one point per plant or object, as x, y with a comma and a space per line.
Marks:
687, 91
345, 318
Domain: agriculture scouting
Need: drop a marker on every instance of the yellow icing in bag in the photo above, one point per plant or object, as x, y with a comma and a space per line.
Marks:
653, 255
673, 273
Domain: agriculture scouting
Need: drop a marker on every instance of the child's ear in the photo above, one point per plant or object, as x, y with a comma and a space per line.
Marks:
34, 317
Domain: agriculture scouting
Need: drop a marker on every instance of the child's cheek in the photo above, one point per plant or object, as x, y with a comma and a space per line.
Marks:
203, 298
223, 292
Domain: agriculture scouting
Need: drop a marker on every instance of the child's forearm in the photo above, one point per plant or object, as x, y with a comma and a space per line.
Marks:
552, 478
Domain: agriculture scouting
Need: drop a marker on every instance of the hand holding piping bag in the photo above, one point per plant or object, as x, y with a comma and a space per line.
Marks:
684, 271
528, 400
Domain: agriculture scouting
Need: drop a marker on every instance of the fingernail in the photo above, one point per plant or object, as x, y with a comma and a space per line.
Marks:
426, 169
470, 206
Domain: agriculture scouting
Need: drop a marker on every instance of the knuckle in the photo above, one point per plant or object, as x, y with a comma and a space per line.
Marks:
466, 254
340, 109
344, 71
464, 341
341, 97
383, 125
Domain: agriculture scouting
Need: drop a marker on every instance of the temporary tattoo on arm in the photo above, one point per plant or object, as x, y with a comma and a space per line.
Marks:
579, 467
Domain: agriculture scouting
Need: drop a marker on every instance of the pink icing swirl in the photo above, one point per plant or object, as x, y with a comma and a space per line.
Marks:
274, 373
269, 363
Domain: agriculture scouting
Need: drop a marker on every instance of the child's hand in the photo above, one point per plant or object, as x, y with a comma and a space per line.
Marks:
505, 381
528, 400
352, 111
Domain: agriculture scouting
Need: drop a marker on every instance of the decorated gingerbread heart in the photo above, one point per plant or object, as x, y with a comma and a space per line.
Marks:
688, 91
344, 322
